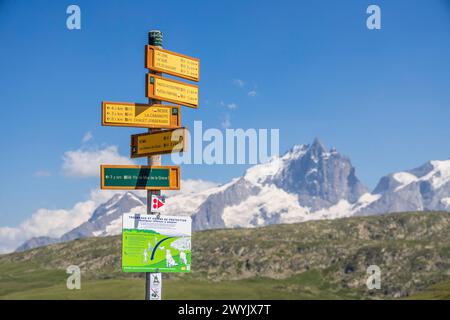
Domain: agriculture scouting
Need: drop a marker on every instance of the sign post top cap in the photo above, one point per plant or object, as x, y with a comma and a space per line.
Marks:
155, 38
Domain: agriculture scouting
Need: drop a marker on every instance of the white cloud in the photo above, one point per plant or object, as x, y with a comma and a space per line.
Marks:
51, 223
232, 106
87, 137
86, 162
42, 173
252, 93
10, 239
239, 83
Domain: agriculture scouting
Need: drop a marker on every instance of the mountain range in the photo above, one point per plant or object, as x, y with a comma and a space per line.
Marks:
309, 182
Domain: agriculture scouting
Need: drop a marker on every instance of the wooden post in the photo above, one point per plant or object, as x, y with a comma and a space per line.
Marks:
154, 39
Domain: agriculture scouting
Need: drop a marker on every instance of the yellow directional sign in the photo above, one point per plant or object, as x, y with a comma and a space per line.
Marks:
140, 115
123, 177
175, 64
160, 142
166, 89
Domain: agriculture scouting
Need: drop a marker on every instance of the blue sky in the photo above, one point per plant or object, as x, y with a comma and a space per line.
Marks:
381, 97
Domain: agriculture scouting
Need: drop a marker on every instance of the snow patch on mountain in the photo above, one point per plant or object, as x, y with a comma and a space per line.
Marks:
404, 178
341, 209
258, 174
114, 227
271, 205
344, 208
188, 204
365, 200
446, 202
440, 174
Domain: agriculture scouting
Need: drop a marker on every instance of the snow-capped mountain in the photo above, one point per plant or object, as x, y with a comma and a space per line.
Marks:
292, 188
319, 177
424, 188
308, 182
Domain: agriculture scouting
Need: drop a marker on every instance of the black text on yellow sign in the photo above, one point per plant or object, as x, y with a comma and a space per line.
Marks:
160, 142
122, 114
175, 64
170, 90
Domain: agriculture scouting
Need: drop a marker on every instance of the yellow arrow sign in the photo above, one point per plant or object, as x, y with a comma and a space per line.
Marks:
165, 89
165, 61
123, 114
160, 142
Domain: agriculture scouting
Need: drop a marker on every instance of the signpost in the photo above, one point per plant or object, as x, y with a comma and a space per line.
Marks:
154, 243
172, 63
123, 114
121, 177
161, 142
171, 90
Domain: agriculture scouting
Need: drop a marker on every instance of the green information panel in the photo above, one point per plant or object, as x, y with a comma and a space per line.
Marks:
140, 177
152, 243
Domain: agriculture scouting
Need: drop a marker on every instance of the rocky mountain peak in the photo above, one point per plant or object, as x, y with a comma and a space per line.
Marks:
319, 177
317, 147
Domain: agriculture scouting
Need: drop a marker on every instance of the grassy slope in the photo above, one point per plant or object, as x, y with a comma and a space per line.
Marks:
319, 259
440, 291
305, 286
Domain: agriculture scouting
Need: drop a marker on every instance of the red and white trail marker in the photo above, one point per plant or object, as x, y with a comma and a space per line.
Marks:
158, 203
